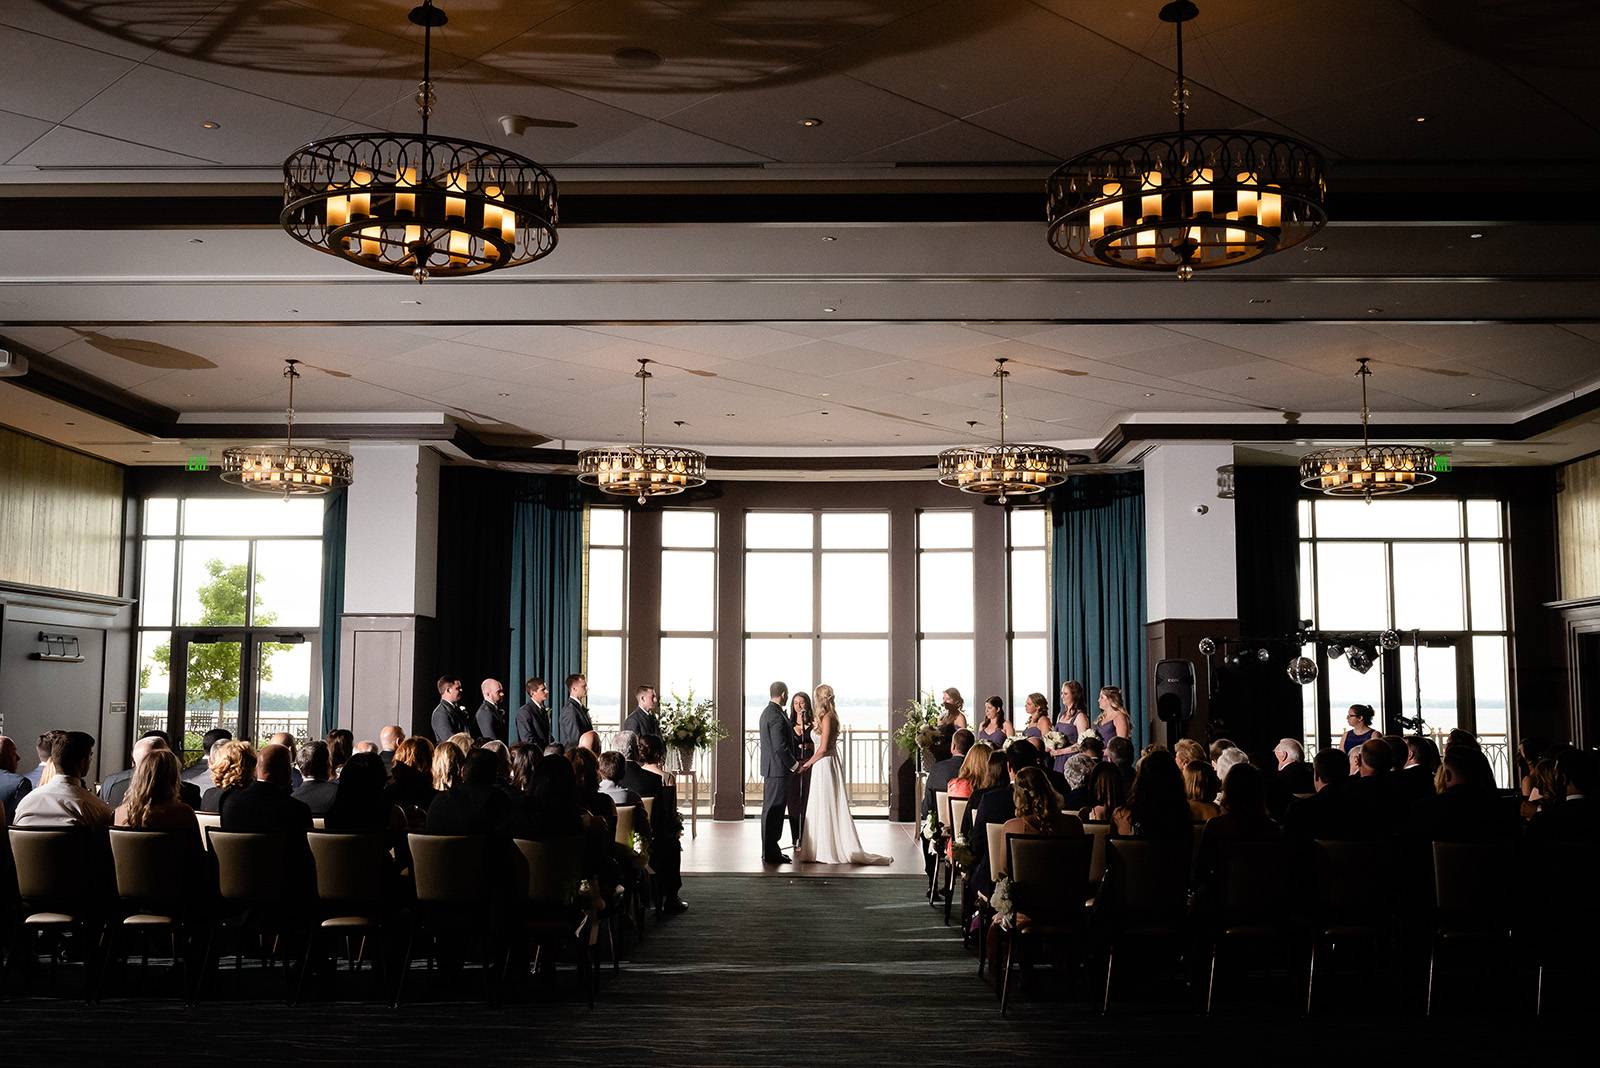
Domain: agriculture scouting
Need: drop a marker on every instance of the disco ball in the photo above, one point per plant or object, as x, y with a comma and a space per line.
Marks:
1302, 670
1390, 639
1263, 655
1335, 651
1207, 646
1359, 658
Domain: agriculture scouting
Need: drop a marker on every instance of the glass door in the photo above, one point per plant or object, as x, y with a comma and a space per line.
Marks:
207, 669
249, 682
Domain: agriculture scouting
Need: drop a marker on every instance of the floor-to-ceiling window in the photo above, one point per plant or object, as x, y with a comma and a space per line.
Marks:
1433, 569
816, 610
228, 616
604, 617
689, 620
1028, 606
945, 617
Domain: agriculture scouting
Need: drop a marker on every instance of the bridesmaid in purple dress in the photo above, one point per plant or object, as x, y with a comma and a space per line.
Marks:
1113, 721
1073, 722
1036, 713
995, 728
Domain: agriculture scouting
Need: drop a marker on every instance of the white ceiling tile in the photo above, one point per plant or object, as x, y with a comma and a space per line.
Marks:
19, 131
957, 142
31, 81
474, 26
824, 358
733, 341
915, 339
659, 142
66, 147
551, 342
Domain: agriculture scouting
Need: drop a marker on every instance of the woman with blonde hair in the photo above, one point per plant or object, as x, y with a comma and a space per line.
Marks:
1114, 721
1073, 722
1038, 807
1201, 786
233, 767
152, 799
1187, 751
828, 834
448, 762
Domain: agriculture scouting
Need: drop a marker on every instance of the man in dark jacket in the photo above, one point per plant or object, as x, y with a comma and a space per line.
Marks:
1321, 816
476, 806
1576, 818
115, 788
316, 790
643, 720
575, 721
265, 806
448, 716
533, 718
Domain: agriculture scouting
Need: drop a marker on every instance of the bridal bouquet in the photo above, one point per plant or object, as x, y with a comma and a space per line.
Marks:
921, 725
688, 722
1055, 740
1004, 907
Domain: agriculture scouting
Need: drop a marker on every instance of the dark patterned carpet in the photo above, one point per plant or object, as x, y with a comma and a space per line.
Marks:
768, 970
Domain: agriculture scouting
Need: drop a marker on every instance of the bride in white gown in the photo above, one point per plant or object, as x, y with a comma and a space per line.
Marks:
828, 835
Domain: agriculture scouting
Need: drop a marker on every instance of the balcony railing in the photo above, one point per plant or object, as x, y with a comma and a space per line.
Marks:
1497, 747
863, 755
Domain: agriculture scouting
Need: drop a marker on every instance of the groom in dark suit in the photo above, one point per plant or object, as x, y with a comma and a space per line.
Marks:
778, 761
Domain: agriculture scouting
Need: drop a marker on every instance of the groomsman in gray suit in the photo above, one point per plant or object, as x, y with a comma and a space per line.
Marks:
778, 762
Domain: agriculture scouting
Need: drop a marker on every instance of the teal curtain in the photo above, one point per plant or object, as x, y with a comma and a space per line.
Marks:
335, 510
1097, 562
546, 585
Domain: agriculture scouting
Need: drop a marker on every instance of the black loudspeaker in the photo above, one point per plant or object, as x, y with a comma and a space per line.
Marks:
1175, 691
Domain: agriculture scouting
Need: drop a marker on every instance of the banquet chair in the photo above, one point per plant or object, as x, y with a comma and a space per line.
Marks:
1350, 890
63, 884
454, 898
547, 878
1143, 898
350, 871
255, 892
156, 878
1252, 884
958, 813
1474, 900
1049, 872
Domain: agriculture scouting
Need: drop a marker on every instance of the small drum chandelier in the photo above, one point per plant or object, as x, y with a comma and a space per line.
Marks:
642, 471
1367, 470
421, 205
1186, 201
287, 469
1002, 470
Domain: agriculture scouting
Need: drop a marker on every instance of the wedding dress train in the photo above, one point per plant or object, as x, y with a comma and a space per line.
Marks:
828, 835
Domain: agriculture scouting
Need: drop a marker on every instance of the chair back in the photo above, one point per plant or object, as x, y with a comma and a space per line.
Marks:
152, 865
449, 868
208, 821
626, 815
1254, 880
550, 871
958, 814
349, 867
1048, 873
1350, 880
941, 805
319, 823
1474, 884
1558, 893
1100, 833
649, 809
997, 850
61, 865
1196, 830
250, 867
1149, 879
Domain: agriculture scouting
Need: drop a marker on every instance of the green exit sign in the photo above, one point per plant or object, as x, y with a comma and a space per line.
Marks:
199, 463
1441, 463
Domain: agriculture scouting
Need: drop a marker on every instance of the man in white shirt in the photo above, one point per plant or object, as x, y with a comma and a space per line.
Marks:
66, 801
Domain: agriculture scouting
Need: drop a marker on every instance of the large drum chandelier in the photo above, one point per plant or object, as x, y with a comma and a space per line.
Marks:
1186, 201
419, 204
1367, 470
1002, 470
642, 471
287, 469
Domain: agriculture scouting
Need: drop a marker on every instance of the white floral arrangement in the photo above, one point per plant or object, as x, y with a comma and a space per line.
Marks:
1011, 740
641, 846
931, 827
961, 853
1004, 907
1055, 740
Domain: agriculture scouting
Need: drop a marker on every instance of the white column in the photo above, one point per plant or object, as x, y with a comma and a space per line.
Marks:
390, 590
1189, 535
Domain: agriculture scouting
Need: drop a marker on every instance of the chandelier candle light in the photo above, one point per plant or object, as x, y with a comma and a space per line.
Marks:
1186, 201
642, 471
287, 469
1002, 470
1367, 470
421, 205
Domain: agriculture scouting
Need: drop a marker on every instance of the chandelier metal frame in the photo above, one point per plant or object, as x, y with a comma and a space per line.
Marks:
642, 471
1003, 470
419, 204
288, 470
1186, 201
1367, 470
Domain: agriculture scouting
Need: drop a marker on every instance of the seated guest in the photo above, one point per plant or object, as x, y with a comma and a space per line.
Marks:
556, 812
524, 758
265, 806
1107, 793
1094, 745
151, 800
366, 747
316, 788
1462, 737
1119, 753
1546, 787
114, 788
1079, 767
948, 753
586, 772
199, 772
590, 740
645, 776
464, 742
652, 757
389, 739
341, 744
359, 805
996, 776
974, 767
626, 744
1187, 751
411, 776
1037, 809
42, 747
1371, 802
1468, 808
1157, 805
233, 767
502, 756
1421, 767
1218, 747
448, 761
612, 767
291, 743
65, 800
1225, 762
13, 785
1294, 774
1323, 814
1201, 786
998, 806
555, 749
1576, 818
1530, 750
477, 805
1244, 818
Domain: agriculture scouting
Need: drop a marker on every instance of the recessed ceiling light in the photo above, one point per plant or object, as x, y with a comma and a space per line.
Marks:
209, 125
1260, 300
197, 241
75, 424
824, 394
1149, 394
927, 413
502, 394
1472, 394
830, 309
1374, 311
1474, 236
1420, 119
822, 413
729, 415
1316, 248
829, 237
810, 121
408, 300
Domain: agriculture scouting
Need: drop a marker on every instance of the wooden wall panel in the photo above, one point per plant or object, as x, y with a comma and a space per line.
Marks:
1578, 529
60, 517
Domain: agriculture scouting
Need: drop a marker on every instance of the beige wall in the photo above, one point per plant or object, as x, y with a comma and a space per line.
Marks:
1578, 529
60, 517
